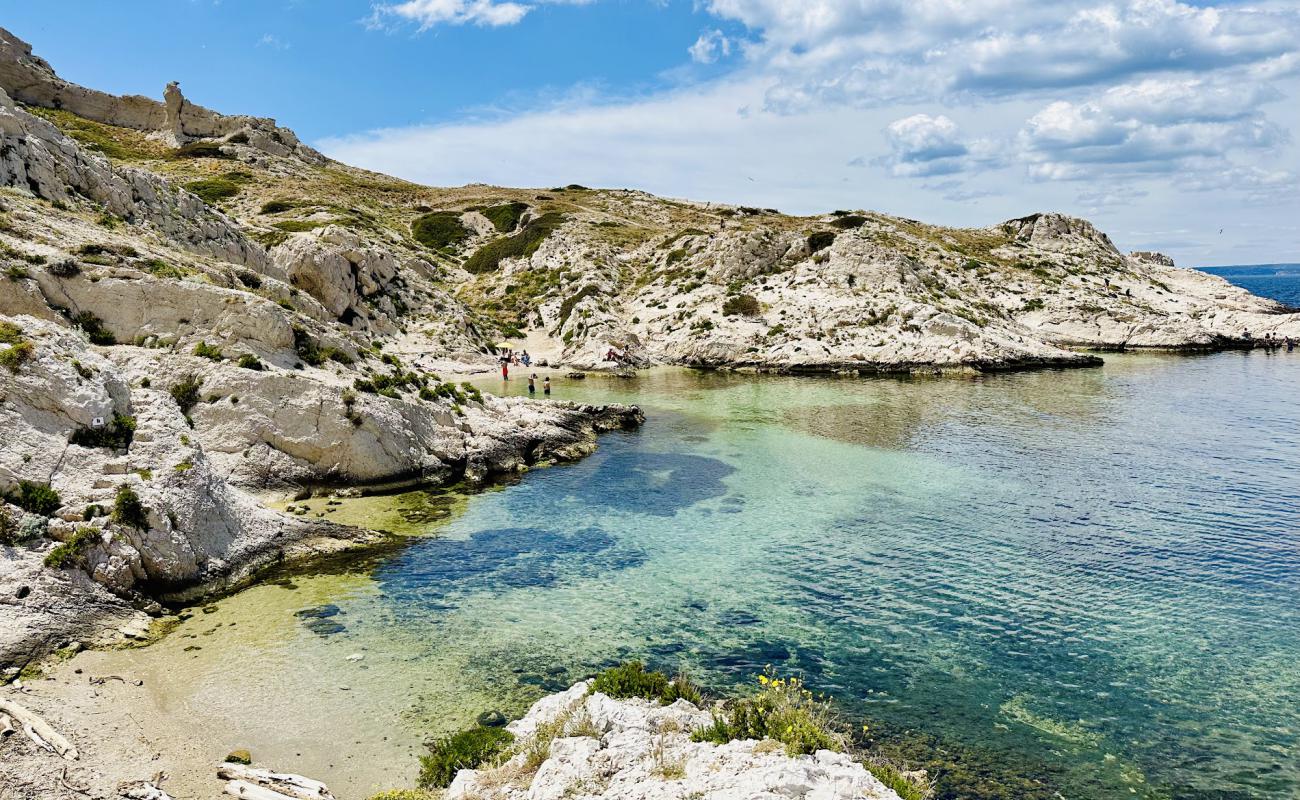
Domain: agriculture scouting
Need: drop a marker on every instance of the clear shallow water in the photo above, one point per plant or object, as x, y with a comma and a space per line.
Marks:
1082, 582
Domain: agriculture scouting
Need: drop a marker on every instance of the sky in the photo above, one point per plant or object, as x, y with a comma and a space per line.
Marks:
1172, 125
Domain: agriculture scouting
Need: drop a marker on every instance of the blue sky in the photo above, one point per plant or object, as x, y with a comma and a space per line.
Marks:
1164, 122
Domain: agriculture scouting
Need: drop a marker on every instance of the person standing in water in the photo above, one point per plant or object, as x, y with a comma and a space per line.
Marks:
505, 369
532, 384
546, 386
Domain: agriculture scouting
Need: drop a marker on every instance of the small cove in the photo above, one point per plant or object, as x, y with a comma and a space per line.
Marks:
1077, 581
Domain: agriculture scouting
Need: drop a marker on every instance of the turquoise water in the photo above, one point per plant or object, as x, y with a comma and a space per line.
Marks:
1076, 582
1088, 576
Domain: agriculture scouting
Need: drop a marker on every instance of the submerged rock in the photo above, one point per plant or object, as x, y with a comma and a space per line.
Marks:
492, 719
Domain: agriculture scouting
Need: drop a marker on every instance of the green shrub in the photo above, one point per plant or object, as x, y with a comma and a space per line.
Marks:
505, 217
566, 308
466, 749
1035, 304
117, 436
8, 528
91, 512
849, 221
16, 272
186, 392
742, 304
17, 354
67, 268
213, 189
311, 351
37, 498
128, 510
488, 257
70, 552
10, 333
903, 786
297, 226
161, 269
783, 710
250, 361
209, 351
820, 241
276, 206
94, 328
439, 229
632, 679
250, 279
200, 149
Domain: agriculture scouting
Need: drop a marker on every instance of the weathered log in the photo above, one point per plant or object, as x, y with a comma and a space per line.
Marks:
39, 731
7, 728
251, 791
284, 784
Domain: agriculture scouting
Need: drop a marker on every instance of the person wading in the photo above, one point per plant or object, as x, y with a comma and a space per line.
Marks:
532, 384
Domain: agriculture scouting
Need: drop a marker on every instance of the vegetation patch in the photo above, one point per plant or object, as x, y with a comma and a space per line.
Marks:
128, 510
212, 190
94, 328
632, 679
849, 221
200, 149
10, 531
277, 206
209, 351
566, 308
250, 361
821, 240
36, 498
439, 229
19, 350
313, 352
523, 244
71, 552
505, 217
186, 392
298, 226
117, 436
782, 710
121, 144
744, 305
465, 749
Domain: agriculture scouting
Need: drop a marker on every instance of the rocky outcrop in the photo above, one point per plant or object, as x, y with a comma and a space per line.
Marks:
634, 750
36, 157
30, 79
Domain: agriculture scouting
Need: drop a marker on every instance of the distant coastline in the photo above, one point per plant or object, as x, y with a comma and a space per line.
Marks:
1280, 282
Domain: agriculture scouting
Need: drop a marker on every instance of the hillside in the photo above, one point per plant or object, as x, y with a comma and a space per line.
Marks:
199, 306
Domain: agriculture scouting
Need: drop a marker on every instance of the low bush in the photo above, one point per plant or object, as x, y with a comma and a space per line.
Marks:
10, 333
488, 257
250, 361
466, 749
741, 305
783, 710
116, 436
277, 206
849, 221
67, 268
17, 354
211, 190
632, 679
186, 392
312, 352
37, 498
70, 552
250, 279
505, 217
209, 351
94, 328
298, 225
439, 229
200, 149
128, 510
8, 527
820, 240
17, 272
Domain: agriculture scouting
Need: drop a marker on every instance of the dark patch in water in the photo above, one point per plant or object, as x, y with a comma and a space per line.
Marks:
732, 618
653, 483
319, 612
494, 560
323, 627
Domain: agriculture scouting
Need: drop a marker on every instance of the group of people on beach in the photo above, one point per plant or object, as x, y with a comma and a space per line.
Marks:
507, 360
1271, 342
509, 356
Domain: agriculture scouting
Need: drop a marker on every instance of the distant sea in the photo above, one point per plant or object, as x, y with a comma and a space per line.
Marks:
1280, 282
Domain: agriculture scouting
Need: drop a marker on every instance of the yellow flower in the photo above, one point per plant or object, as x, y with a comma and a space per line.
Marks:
762, 679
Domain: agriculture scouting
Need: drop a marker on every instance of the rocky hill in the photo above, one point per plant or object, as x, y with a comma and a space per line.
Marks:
198, 306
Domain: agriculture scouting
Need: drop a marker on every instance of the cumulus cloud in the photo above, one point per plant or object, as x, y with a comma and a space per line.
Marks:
709, 47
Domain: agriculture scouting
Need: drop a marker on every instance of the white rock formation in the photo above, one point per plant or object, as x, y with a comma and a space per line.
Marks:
635, 750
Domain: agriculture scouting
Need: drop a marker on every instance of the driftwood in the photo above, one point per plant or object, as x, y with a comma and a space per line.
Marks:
39, 731
262, 784
7, 728
142, 790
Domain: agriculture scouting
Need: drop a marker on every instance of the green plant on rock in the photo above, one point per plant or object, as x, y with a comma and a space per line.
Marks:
439, 229
250, 361
37, 498
200, 149
632, 679
116, 436
19, 350
488, 257
8, 527
465, 749
784, 710
849, 221
209, 351
505, 217
820, 241
128, 510
277, 206
741, 305
70, 552
212, 190
94, 328
186, 392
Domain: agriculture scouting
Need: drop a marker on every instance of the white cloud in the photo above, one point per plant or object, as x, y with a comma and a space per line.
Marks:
428, 13
709, 47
